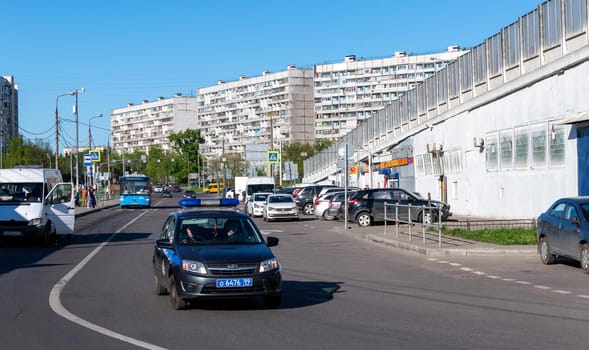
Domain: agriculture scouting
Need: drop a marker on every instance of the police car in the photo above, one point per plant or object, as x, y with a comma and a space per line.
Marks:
207, 251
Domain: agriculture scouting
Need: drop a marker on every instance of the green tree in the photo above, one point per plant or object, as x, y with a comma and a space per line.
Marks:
186, 144
24, 152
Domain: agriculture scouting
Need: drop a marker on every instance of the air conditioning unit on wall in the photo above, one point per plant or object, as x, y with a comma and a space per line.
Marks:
434, 148
478, 142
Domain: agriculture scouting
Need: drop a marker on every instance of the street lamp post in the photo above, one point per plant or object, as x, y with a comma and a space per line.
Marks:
75, 93
57, 128
90, 178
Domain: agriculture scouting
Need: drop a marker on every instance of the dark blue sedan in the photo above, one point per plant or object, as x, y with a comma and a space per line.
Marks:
563, 230
215, 253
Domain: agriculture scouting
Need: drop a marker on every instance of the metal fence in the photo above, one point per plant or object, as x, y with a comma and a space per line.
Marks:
392, 211
473, 225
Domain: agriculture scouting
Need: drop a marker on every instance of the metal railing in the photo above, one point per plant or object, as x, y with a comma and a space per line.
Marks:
425, 223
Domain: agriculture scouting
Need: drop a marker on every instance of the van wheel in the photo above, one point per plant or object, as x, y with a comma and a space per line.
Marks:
46, 235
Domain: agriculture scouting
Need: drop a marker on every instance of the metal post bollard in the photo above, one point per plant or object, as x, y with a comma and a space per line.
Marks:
409, 217
423, 222
396, 220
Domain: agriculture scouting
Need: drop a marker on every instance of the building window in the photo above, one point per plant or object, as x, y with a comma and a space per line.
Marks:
557, 150
539, 146
551, 23
522, 145
506, 149
492, 152
575, 16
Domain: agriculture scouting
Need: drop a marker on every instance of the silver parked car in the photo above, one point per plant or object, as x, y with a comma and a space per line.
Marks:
280, 206
322, 205
563, 230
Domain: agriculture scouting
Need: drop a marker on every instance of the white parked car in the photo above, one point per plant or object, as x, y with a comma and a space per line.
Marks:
280, 206
255, 206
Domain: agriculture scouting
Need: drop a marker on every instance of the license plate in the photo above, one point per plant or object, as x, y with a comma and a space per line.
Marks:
12, 233
234, 282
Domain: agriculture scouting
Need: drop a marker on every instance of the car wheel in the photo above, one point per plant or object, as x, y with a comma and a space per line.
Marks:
273, 301
326, 217
159, 289
545, 254
308, 209
427, 217
584, 258
364, 219
177, 302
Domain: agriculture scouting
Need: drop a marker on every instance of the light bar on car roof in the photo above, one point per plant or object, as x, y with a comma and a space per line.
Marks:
208, 202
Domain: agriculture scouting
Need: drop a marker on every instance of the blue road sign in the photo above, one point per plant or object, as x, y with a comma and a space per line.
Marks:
273, 157
94, 156
87, 160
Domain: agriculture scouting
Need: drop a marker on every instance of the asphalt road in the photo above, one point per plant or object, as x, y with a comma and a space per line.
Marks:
340, 291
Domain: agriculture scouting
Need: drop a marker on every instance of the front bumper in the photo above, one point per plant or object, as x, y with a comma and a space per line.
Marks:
282, 214
191, 286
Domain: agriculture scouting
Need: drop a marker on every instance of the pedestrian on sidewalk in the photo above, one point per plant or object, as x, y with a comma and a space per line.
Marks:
84, 196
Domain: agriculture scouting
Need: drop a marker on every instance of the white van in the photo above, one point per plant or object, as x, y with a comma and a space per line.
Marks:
35, 202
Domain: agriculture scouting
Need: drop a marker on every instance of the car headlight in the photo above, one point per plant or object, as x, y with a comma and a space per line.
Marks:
269, 265
36, 222
257, 205
194, 266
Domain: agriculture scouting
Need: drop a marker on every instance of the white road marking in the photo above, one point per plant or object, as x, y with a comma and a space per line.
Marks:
561, 291
481, 273
58, 308
542, 287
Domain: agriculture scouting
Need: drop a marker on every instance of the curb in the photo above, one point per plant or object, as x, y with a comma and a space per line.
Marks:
477, 250
90, 211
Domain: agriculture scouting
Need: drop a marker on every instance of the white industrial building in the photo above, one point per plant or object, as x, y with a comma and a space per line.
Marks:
502, 132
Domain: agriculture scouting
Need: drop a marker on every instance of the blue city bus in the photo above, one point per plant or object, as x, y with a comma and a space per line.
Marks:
135, 191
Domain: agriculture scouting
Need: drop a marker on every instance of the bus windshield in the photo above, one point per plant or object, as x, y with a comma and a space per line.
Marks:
134, 185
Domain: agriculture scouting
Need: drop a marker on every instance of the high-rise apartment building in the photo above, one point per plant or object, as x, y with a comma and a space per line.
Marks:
8, 111
138, 127
267, 109
349, 92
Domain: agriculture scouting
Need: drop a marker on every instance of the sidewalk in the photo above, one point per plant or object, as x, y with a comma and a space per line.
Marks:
103, 204
430, 243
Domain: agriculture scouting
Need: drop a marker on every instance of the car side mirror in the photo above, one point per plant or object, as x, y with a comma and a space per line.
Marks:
272, 241
164, 243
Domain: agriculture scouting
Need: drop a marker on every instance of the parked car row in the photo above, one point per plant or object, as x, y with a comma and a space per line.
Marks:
272, 206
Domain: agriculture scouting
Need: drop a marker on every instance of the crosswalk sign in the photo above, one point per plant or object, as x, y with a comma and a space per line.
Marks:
273, 157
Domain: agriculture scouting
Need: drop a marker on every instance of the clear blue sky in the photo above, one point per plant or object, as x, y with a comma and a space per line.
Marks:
127, 51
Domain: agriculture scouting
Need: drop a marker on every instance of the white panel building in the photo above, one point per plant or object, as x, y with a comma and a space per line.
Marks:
8, 110
349, 92
267, 109
138, 127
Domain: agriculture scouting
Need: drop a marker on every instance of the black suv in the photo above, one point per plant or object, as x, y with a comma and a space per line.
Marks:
306, 196
366, 207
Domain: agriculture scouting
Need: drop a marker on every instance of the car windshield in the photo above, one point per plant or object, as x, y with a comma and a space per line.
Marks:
280, 199
260, 197
217, 230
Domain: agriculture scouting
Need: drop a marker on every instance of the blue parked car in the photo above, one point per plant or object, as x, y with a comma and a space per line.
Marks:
563, 230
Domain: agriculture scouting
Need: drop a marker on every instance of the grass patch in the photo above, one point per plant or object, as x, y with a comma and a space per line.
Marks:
505, 236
